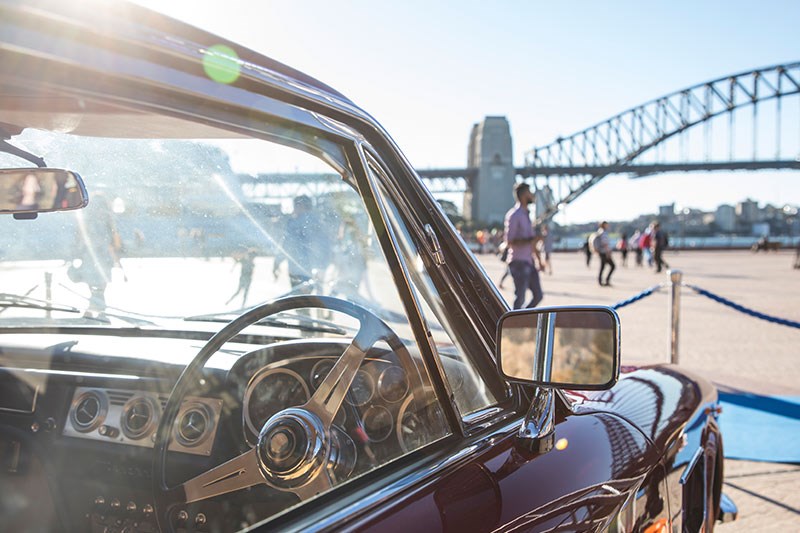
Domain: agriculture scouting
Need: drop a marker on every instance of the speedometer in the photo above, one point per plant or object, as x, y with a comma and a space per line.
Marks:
362, 389
269, 392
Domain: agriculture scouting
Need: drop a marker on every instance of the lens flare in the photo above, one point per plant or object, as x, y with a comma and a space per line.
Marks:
221, 64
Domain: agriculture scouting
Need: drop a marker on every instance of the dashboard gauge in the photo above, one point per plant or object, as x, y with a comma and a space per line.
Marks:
320, 371
378, 423
343, 456
393, 384
271, 391
362, 389
411, 432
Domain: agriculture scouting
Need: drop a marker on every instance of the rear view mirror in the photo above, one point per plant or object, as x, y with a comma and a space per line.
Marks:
571, 348
27, 191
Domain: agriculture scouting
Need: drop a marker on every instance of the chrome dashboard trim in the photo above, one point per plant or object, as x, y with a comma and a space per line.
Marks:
113, 410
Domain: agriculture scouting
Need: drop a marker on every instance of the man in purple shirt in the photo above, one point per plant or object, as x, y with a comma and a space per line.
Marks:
521, 242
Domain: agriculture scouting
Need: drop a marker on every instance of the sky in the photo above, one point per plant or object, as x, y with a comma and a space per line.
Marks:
427, 71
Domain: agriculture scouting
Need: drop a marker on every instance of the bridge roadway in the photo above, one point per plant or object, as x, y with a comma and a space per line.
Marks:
731, 349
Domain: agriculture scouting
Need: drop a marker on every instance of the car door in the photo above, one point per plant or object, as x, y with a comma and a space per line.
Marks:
599, 464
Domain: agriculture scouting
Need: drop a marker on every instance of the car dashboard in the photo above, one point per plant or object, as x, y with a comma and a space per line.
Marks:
79, 415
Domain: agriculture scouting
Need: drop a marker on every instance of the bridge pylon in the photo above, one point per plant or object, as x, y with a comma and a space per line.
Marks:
490, 193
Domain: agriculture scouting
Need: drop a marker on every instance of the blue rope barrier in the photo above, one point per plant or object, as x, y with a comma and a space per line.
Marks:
633, 299
743, 309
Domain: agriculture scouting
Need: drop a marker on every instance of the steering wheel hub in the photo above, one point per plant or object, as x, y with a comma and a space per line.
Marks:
291, 448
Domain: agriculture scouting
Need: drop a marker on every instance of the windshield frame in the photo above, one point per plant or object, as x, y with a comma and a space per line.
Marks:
255, 115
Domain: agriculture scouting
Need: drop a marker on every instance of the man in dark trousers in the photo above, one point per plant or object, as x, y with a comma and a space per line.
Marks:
659, 243
603, 247
521, 242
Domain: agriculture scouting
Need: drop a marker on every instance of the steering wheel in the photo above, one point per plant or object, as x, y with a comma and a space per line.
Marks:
295, 451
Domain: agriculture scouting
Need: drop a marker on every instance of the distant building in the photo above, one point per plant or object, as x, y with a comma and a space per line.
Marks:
725, 218
747, 211
760, 229
666, 212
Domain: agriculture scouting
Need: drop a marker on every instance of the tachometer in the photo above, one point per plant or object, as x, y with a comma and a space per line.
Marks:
410, 429
270, 391
378, 423
362, 389
393, 384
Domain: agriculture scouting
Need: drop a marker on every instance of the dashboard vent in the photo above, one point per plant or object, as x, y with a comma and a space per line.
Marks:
139, 417
88, 411
117, 397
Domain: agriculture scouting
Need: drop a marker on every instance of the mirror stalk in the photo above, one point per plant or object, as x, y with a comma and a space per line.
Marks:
537, 433
19, 152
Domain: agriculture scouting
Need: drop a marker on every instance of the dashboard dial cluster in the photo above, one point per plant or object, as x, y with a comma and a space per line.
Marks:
131, 417
373, 409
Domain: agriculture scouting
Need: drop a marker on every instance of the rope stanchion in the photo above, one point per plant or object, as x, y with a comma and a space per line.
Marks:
741, 308
633, 299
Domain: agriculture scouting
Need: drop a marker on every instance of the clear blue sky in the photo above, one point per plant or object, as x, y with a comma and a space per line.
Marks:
428, 70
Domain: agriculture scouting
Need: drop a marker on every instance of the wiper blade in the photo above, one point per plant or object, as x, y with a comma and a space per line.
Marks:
17, 301
298, 322
26, 302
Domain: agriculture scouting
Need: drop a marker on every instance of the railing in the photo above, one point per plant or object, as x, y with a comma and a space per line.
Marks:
675, 283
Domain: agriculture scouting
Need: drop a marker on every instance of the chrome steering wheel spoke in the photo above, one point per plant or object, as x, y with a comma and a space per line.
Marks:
239, 473
327, 400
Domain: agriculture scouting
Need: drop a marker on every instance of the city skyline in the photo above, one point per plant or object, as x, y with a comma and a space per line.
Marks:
427, 72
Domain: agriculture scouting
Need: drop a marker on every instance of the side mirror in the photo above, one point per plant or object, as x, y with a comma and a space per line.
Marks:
25, 192
560, 347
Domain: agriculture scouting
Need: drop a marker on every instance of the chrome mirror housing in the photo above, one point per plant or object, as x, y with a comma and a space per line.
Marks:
552, 348
560, 347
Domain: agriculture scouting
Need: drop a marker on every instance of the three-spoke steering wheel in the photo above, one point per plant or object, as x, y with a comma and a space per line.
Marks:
295, 446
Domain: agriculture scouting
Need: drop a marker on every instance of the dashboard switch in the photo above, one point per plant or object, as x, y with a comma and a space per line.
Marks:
108, 431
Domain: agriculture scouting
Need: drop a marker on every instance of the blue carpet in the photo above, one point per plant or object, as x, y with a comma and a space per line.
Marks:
760, 428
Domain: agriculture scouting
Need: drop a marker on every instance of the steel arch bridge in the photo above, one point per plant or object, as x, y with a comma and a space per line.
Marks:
628, 143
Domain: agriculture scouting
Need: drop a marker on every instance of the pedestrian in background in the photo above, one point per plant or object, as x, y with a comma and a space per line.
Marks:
660, 242
644, 243
622, 246
521, 242
547, 244
587, 249
633, 244
603, 247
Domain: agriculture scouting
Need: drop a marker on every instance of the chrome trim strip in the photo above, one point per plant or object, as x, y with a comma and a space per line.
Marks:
481, 416
690, 466
74, 373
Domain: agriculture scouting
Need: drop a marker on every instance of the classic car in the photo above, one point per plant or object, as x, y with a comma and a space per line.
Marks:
229, 302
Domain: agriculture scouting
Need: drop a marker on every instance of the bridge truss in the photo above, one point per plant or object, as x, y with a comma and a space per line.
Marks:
640, 141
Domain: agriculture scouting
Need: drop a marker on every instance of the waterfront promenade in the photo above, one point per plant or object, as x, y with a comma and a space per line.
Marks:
733, 350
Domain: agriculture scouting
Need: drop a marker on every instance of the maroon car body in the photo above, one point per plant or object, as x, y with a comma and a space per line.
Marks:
644, 455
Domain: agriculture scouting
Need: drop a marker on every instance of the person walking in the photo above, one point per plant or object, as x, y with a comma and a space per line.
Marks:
246, 259
587, 249
622, 246
633, 244
660, 242
521, 242
645, 243
548, 242
603, 247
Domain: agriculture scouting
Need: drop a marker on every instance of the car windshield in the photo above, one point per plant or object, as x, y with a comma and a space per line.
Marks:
192, 230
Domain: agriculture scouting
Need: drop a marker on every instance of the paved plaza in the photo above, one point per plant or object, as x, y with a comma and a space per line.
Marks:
733, 350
